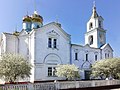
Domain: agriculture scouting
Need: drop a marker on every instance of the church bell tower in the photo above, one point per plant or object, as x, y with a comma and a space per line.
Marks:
95, 35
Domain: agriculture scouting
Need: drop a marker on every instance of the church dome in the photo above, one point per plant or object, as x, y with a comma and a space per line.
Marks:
27, 18
36, 17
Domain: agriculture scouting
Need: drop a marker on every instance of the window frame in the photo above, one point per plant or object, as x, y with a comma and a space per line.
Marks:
91, 39
51, 71
105, 55
49, 42
96, 57
100, 24
76, 56
90, 25
86, 57
54, 43
108, 55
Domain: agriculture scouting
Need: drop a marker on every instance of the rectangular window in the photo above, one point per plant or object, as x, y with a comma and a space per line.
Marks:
49, 71
86, 57
76, 56
95, 57
55, 43
50, 42
100, 24
105, 55
27, 51
108, 55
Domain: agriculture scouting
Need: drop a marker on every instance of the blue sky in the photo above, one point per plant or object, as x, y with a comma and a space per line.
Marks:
72, 14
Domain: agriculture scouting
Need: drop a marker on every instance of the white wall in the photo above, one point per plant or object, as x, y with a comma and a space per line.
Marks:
34, 47
45, 56
81, 63
109, 53
42, 49
95, 38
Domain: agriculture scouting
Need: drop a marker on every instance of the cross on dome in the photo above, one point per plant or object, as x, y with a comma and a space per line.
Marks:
94, 13
35, 12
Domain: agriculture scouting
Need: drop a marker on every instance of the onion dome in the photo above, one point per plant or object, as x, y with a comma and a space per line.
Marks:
37, 18
27, 18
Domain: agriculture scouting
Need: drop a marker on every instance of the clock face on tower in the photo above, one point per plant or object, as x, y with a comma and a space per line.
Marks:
101, 38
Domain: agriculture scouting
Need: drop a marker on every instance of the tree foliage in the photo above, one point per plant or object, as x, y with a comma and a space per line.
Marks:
69, 71
106, 68
13, 67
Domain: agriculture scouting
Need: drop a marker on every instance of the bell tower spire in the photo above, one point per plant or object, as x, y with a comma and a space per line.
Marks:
94, 12
95, 35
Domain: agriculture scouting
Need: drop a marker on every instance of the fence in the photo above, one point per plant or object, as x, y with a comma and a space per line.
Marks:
59, 85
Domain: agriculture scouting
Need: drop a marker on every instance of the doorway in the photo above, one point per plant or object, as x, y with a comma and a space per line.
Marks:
87, 74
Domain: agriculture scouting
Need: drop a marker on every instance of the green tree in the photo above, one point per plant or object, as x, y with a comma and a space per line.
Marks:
13, 67
69, 71
106, 68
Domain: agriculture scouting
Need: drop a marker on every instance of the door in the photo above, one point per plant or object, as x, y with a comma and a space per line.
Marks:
87, 74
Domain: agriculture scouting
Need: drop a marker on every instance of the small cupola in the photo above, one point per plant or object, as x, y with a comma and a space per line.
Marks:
37, 20
27, 21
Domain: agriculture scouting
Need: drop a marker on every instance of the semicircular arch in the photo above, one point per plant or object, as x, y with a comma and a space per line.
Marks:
52, 58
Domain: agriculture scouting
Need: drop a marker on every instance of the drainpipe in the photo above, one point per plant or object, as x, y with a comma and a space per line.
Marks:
70, 53
18, 45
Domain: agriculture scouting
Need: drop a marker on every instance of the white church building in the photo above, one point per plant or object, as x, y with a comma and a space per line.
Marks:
47, 46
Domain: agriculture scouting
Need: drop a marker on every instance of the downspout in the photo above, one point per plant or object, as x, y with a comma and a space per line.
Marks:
70, 53
28, 48
34, 47
18, 45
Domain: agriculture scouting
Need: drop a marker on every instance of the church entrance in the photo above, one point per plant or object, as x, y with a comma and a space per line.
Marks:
87, 74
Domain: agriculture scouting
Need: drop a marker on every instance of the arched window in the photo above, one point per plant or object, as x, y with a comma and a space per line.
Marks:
91, 39
100, 24
76, 56
90, 25
38, 26
86, 57
96, 58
